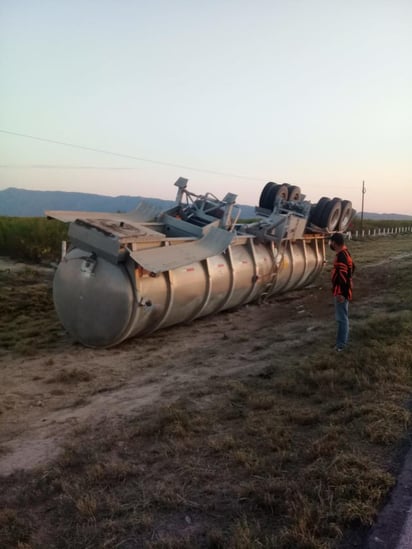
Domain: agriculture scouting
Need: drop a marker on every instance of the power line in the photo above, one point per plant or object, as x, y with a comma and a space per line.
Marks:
63, 167
129, 156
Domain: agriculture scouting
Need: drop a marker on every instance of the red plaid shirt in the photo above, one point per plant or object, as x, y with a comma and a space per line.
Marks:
343, 269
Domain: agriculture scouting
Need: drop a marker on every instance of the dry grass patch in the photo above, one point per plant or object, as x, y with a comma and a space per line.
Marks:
28, 322
236, 473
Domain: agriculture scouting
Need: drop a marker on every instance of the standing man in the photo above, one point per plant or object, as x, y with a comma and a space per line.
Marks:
343, 269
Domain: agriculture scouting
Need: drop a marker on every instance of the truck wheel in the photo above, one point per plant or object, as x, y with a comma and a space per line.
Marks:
294, 193
318, 211
311, 213
277, 192
264, 194
331, 215
345, 216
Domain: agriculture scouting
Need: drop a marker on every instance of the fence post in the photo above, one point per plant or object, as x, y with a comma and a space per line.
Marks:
64, 249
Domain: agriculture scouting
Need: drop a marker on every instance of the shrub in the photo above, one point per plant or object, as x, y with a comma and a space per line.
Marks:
31, 238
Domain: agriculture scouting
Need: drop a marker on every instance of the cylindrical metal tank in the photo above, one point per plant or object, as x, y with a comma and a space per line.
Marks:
101, 303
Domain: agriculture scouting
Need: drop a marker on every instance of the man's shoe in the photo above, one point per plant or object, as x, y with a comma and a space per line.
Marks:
339, 348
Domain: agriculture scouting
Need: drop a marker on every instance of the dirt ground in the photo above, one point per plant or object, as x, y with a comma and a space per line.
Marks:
47, 396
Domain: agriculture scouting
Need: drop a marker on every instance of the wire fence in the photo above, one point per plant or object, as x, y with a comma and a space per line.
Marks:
379, 232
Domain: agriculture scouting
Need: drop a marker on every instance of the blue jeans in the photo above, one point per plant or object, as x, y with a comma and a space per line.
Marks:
342, 319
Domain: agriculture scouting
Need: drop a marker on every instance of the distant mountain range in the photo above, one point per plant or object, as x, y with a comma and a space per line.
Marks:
25, 203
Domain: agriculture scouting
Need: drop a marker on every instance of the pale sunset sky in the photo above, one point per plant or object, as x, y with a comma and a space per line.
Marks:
230, 94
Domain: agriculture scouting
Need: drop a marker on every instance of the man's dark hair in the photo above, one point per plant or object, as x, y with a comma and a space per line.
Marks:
338, 239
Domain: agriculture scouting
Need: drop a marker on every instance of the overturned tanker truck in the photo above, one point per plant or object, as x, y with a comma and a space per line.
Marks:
131, 274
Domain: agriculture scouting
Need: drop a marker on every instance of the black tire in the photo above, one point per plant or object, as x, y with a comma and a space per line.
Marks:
311, 212
277, 192
294, 193
331, 215
318, 211
345, 216
264, 194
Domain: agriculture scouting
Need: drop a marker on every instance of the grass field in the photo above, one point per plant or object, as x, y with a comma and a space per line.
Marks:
31, 238
297, 456
28, 322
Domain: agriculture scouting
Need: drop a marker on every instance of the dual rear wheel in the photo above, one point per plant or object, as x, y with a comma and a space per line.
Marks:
329, 214
332, 214
274, 192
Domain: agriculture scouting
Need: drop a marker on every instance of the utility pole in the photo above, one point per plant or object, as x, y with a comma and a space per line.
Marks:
363, 200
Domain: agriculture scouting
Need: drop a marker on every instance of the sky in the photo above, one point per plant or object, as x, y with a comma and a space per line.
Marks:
229, 94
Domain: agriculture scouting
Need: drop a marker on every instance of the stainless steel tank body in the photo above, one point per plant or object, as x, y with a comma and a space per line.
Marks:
101, 303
